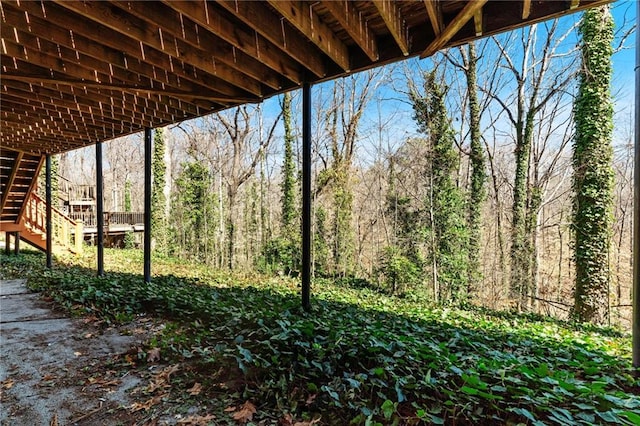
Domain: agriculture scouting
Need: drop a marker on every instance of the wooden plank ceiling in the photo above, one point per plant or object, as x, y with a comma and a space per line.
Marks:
74, 73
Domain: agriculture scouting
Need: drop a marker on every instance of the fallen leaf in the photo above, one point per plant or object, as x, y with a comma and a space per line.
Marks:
88, 336
286, 420
146, 406
48, 377
196, 420
54, 420
195, 389
8, 384
246, 412
162, 379
230, 409
153, 355
77, 353
311, 398
90, 318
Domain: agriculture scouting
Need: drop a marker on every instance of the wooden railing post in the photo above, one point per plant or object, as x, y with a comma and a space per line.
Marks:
79, 237
66, 240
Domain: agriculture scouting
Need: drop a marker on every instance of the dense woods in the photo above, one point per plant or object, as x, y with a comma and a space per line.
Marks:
451, 179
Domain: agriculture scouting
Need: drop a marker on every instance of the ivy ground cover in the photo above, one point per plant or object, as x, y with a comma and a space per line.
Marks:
360, 356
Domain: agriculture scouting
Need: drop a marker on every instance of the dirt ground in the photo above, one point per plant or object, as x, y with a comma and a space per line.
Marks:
56, 370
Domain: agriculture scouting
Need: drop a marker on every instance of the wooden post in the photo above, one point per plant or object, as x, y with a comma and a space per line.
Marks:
100, 209
147, 204
7, 243
306, 196
49, 227
79, 236
16, 243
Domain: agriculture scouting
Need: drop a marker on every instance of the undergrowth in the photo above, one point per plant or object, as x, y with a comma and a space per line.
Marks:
360, 357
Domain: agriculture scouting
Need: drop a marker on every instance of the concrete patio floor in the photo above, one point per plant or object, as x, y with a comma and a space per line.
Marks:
52, 368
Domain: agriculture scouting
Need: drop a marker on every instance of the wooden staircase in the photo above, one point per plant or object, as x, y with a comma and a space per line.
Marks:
24, 212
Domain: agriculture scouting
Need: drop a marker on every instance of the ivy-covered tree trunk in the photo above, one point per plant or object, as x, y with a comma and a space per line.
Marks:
477, 191
289, 184
447, 228
520, 246
593, 172
343, 247
158, 199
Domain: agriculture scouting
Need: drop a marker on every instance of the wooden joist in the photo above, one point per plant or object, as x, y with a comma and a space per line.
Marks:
301, 16
354, 23
435, 16
469, 10
393, 19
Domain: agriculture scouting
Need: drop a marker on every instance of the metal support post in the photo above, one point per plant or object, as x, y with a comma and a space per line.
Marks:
306, 196
147, 204
100, 209
49, 226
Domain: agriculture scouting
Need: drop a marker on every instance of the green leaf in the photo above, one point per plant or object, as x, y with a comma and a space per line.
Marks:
632, 417
388, 409
524, 412
469, 391
436, 420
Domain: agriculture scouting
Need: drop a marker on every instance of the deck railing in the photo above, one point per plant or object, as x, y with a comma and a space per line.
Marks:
66, 233
90, 219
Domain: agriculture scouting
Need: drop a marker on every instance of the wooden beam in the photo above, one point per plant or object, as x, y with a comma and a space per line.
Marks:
353, 22
15, 101
99, 69
574, 4
477, 22
107, 45
25, 123
47, 114
38, 145
192, 20
176, 29
454, 26
12, 177
123, 87
301, 16
395, 23
149, 105
30, 144
12, 104
281, 36
91, 103
140, 34
526, 9
435, 16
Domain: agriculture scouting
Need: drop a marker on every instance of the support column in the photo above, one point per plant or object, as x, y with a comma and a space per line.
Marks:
49, 227
147, 204
100, 209
7, 243
16, 243
636, 211
306, 196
